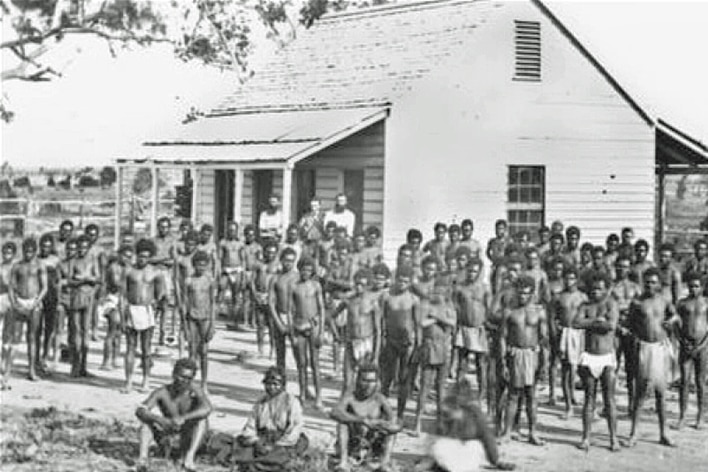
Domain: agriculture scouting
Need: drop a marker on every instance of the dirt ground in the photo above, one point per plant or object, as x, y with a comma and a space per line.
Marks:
60, 424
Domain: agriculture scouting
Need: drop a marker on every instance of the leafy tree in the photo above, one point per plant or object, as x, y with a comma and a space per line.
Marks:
108, 176
217, 32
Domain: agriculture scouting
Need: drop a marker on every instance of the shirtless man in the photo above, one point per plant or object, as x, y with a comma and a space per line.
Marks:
496, 248
598, 318
185, 227
363, 328
373, 254
113, 305
339, 284
83, 279
437, 322
47, 255
437, 247
252, 254
544, 236
207, 244
401, 334
650, 318
693, 344
184, 408
366, 425
306, 318
626, 247
27, 288
571, 251
454, 235
669, 274
556, 286
699, 261
232, 269
64, 291
473, 299
523, 332
555, 249
9, 251
467, 228
624, 291
184, 268
279, 301
564, 311
144, 289
264, 273
199, 302
66, 233
611, 251
641, 264
165, 253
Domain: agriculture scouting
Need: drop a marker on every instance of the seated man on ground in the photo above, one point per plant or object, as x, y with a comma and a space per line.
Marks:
184, 409
465, 442
366, 426
273, 433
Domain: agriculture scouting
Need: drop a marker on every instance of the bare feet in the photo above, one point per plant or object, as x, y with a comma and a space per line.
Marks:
665, 441
630, 442
536, 441
614, 447
678, 426
127, 388
584, 445
551, 401
565, 415
32, 376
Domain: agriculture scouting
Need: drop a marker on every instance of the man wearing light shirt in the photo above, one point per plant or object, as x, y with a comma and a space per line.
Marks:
341, 215
270, 221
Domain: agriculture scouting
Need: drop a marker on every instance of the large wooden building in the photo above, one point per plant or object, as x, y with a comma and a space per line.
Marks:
429, 111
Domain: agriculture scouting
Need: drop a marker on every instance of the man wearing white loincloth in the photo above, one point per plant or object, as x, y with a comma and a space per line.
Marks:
650, 318
598, 318
144, 288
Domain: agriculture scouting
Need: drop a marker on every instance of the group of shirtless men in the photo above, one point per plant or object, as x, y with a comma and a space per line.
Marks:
584, 307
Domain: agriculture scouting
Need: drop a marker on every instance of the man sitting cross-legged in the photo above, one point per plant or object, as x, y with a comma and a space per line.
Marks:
184, 410
273, 433
366, 426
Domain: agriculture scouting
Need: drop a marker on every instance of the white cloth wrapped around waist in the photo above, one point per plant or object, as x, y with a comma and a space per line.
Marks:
596, 363
456, 455
140, 317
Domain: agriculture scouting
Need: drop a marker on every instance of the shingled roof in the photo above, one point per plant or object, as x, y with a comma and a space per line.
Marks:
361, 58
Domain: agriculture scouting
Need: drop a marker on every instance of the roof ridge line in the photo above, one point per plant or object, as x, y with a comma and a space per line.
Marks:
393, 8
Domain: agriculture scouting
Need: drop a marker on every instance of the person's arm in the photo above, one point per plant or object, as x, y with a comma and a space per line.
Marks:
43, 283
213, 289
675, 285
296, 422
672, 317
543, 328
417, 330
320, 311
201, 410
289, 312
377, 315
142, 412
272, 300
12, 286
341, 415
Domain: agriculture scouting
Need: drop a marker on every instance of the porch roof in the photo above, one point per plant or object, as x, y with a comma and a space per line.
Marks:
267, 139
679, 153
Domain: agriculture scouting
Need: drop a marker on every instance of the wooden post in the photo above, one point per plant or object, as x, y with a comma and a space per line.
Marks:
661, 210
195, 194
287, 195
118, 208
155, 201
238, 194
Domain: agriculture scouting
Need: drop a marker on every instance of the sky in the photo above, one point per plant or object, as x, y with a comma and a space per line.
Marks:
103, 107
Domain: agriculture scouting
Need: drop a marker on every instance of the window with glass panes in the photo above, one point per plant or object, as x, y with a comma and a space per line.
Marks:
526, 199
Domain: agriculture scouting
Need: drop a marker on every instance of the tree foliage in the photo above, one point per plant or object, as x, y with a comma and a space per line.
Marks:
108, 176
217, 32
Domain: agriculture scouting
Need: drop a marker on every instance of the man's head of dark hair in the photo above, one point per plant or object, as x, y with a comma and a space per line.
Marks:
200, 256
91, 227
288, 251
29, 244
145, 245
373, 231
414, 233
381, 269
185, 363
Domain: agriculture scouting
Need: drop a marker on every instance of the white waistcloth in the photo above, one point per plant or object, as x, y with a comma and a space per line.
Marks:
455, 455
596, 363
140, 317
5, 305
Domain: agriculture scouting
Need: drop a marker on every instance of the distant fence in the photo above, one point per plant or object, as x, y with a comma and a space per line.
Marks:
28, 216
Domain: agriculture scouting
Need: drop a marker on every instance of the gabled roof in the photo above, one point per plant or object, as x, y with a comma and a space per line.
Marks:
363, 57
371, 56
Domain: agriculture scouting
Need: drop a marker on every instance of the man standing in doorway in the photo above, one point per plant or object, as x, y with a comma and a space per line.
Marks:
342, 215
270, 221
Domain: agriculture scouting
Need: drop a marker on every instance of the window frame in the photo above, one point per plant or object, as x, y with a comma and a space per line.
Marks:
516, 207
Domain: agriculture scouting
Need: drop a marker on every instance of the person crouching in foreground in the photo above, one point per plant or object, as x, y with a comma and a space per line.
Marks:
184, 409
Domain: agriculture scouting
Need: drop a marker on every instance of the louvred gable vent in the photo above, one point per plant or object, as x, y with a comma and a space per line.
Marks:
527, 44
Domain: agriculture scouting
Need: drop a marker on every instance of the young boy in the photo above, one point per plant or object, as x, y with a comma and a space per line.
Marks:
85, 275
414, 239
306, 317
66, 233
598, 319
612, 244
143, 289
326, 251
263, 275
280, 300
564, 311
437, 322
544, 236
27, 289
693, 342
232, 269
113, 305
496, 248
473, 299
358, 254
47, 255
401, 334
200, 295
373, 253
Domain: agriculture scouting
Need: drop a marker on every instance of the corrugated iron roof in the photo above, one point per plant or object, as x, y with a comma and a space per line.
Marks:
277, 138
